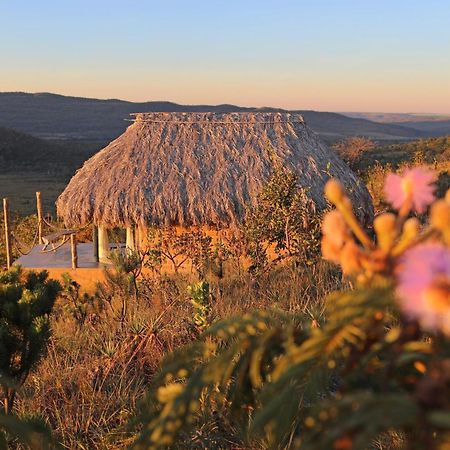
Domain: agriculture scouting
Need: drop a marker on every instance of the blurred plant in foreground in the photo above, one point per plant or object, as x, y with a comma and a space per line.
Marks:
378, 362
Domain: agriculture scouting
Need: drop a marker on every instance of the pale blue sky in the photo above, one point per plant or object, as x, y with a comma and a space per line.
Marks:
349, 55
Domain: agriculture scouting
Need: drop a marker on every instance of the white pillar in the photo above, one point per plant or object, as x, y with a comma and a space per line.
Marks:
103, 244
130, 243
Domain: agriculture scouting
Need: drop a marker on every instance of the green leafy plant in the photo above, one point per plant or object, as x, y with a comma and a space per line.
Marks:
79, 305
285, 220
26, 301
121, 282
200, 298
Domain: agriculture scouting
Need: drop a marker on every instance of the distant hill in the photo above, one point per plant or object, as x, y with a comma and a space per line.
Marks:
428, 124
431, 128
397, 117
52, 116
20, 152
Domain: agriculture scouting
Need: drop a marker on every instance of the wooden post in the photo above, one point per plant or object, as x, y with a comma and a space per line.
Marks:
39, 216
103, 244
8, 241
74, 250
95, 242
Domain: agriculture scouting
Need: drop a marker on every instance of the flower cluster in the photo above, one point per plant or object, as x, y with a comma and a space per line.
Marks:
416, 257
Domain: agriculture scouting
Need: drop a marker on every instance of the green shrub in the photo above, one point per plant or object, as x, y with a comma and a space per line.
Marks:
25, 305
284, 219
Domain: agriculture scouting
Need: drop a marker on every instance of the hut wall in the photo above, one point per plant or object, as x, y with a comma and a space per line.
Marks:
151, 240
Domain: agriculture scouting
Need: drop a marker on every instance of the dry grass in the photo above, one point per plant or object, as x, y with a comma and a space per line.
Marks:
89, 385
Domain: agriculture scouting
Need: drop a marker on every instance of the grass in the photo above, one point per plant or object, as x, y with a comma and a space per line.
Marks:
89, 386
20, 189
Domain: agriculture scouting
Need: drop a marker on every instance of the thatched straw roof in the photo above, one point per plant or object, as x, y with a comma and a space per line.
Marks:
198, 169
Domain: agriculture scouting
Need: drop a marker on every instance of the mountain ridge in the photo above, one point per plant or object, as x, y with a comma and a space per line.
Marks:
55, 116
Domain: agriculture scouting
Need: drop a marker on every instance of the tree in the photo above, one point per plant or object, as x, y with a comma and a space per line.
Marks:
284, 218
352, 149
26, 301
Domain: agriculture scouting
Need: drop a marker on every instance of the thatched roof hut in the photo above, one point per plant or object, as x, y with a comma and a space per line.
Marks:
199, 169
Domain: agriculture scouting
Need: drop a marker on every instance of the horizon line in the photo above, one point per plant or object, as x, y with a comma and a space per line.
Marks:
446, 114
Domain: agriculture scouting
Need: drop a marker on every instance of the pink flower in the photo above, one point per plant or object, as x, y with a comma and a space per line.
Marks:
423, 289
415, 185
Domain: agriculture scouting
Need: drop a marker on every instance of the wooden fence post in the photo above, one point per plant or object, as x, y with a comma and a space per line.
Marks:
39, 216
7, 233
73, 247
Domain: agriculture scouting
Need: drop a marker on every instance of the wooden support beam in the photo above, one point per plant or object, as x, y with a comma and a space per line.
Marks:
95, 242
8, 241
130, 241
103, 244
39, 216
74, 250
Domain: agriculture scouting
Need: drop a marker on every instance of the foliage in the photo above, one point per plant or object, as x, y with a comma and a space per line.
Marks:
29, 431
80, 306
284, 219
121, 282
422, 151
352, 149
375, 176
366, 369
25, 304
90, 382
375, 179
200, 298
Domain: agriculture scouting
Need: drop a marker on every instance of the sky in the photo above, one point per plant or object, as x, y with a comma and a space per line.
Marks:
329, 55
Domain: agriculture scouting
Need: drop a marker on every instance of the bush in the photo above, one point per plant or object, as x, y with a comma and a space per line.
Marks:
352, 150
284, 221
25, 305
